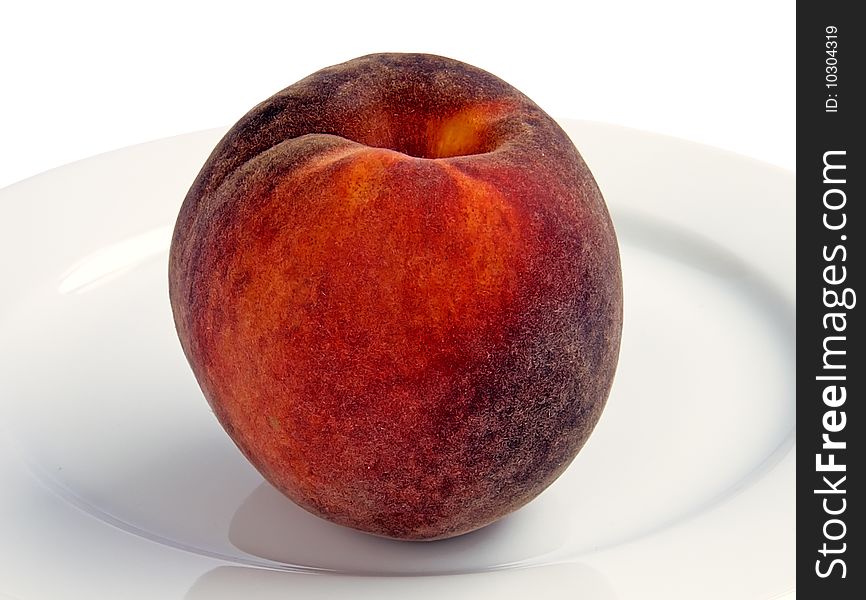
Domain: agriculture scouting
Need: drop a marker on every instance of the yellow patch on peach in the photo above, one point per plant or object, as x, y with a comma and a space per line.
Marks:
465, 131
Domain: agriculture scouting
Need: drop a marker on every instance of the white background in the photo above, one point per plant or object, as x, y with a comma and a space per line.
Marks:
80, 78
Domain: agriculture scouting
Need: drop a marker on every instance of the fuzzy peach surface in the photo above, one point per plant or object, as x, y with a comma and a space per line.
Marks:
398, 286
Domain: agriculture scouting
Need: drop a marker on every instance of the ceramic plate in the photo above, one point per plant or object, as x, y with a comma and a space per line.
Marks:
118, 482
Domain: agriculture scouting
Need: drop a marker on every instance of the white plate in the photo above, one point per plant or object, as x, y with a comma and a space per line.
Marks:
117, 482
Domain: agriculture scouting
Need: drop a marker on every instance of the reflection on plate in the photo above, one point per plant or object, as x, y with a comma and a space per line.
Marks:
119, 479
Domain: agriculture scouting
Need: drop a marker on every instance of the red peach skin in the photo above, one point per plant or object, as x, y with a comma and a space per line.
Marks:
399, 288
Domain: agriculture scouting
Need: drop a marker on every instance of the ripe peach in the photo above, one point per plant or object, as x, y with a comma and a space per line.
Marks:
399, 288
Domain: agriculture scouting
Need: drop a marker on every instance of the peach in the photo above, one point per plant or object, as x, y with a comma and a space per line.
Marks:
399, 288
